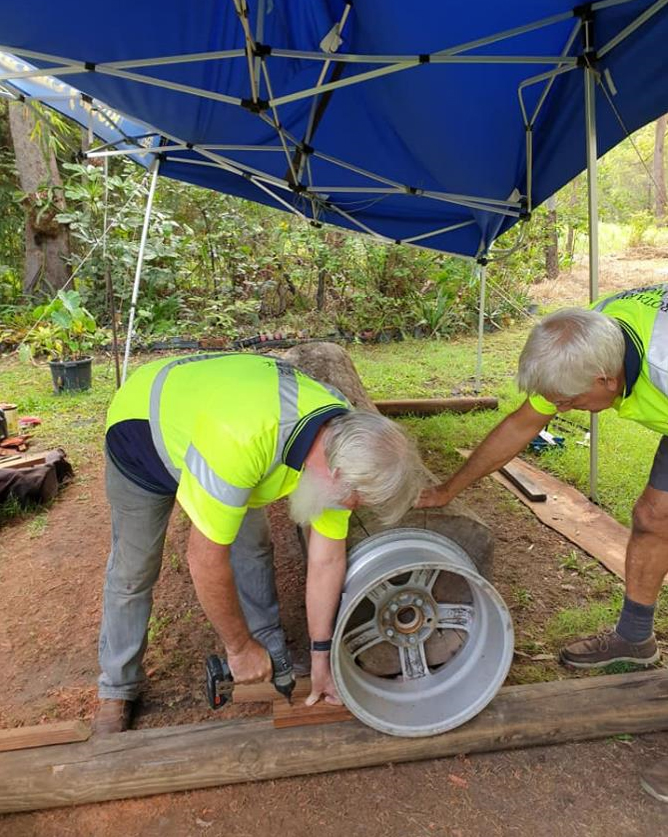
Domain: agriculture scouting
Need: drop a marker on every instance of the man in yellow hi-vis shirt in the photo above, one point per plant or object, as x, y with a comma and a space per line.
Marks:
614, 354
225, 435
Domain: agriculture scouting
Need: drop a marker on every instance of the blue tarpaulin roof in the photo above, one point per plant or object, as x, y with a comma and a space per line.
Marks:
405, 120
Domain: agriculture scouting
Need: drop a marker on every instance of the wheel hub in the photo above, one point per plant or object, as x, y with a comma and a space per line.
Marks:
408, 617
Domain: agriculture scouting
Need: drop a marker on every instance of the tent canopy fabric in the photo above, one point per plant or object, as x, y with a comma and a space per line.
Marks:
438, 124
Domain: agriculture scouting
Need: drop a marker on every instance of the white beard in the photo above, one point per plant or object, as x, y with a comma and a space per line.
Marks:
312, 496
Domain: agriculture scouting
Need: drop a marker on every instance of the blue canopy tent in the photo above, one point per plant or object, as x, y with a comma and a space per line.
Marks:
438, 124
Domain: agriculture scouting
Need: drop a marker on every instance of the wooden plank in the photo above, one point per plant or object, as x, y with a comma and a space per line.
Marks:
570, 513
529, 488
144, 762
433, 406
43, 735
23, 462
301, 715
266, 693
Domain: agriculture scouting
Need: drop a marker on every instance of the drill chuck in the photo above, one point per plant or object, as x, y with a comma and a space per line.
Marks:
283, 676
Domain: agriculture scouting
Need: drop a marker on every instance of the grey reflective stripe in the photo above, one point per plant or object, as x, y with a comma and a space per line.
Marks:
154, 409
630, 294
657, 352
332, 390
288, 395
217, 487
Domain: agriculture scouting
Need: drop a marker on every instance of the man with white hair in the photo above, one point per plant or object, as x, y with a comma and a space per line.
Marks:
225, 435
613, 355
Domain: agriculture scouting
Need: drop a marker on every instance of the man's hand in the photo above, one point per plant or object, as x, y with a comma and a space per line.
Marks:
250, 664
432, 497
322, 685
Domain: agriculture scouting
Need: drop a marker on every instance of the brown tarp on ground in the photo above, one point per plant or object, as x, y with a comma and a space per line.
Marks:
38, 484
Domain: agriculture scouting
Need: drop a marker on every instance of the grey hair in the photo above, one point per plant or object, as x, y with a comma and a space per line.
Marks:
376, 459
568, 350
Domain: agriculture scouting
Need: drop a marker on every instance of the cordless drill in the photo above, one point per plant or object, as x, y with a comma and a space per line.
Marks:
220, 683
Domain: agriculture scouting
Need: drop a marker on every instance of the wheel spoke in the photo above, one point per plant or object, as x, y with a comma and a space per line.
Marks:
424, 577
413, 662
455, 616
360, 639
380, 592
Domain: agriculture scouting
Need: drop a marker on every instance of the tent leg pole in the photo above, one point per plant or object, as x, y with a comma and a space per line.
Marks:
482, 276
592, 191
140, 261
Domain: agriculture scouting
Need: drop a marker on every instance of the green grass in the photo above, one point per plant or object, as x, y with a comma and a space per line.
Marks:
571, 623
37, 525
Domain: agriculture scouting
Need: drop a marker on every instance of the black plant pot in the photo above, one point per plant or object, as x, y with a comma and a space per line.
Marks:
71, 375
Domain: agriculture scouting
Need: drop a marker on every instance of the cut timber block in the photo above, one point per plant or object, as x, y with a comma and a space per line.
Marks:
266, 693
144, 762
300, 715
521, 480
27, 461
42, 735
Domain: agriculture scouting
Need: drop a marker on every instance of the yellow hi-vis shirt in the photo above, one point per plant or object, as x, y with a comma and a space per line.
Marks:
223, 432
642, 314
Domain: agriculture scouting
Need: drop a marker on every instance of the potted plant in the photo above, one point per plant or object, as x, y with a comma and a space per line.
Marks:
72, 336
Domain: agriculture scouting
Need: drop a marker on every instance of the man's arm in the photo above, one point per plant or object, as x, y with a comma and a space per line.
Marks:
507, 439
212, 575
326, 572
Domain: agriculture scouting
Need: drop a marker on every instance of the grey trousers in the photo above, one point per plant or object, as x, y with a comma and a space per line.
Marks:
139, 521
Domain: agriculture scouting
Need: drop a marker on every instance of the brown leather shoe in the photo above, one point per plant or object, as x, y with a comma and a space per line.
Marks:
609, 647
113, 716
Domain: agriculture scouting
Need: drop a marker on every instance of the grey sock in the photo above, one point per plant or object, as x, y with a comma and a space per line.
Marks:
636, 621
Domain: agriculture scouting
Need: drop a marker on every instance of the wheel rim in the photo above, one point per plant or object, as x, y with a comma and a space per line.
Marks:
451, 657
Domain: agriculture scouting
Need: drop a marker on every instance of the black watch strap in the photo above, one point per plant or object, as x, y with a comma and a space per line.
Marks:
321, 645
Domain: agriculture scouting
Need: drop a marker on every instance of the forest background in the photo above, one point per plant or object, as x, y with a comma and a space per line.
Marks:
222, 267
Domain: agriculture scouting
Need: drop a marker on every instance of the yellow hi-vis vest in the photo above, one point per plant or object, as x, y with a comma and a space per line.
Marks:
642, 314
231, 430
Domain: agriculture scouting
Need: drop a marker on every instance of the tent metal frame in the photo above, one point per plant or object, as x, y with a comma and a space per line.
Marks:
298, 153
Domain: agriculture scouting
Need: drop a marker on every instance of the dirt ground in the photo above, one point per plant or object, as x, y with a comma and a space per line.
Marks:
51, 582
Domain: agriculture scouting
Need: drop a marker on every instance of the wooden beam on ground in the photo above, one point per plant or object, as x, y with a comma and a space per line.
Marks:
570, 513
433, 406
43, 735
144, 762
300, 715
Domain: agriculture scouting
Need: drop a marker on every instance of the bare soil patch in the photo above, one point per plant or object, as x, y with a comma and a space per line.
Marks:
646, 266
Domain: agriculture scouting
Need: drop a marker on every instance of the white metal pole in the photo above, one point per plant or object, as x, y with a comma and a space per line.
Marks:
482, 277
140, 260
592, 191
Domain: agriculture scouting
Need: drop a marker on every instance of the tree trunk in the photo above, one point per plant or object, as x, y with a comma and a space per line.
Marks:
552, 246
572, 203
46, 241
660, 202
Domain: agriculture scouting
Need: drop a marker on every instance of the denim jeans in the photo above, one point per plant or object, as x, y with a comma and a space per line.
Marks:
139, 521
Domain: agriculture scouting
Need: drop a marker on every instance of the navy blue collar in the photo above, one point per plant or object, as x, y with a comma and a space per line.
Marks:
301, 441
632, 358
